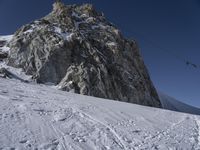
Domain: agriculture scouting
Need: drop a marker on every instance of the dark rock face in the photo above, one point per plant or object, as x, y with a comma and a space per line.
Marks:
2, 43
76, 48
3, 55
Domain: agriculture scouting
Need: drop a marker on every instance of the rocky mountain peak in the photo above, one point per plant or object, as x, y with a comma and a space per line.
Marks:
59, 7
77, 49
88, 9
68, 15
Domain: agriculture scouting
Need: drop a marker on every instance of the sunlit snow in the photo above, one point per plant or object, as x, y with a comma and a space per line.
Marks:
41, 117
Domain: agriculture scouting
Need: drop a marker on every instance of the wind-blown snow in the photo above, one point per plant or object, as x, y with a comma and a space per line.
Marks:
41, 117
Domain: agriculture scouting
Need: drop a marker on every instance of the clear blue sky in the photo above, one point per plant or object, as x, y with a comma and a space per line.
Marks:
169, 24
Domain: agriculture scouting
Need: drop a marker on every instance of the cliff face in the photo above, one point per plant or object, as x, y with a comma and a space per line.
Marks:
76, 48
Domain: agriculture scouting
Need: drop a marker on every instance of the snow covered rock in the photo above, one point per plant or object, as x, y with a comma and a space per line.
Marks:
4, 40
76, 48
4, 50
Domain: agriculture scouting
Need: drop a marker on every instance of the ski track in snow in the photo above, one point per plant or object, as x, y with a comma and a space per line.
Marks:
197, 122
43, 118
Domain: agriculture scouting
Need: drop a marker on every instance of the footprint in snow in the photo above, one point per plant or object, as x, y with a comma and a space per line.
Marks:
136, 131
49, 146
42, 112
23, 141
16, 99
21, 107
4, 116
60, 117
4, 91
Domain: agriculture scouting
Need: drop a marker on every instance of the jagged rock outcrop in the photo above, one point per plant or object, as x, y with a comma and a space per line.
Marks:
5, 73
76, 48
3, 55
3, 47
2, 43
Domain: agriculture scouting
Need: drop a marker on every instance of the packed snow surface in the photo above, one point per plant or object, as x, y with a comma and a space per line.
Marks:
44, 118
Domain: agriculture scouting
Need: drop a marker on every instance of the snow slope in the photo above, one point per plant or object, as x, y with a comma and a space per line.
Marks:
42, 117
175, 105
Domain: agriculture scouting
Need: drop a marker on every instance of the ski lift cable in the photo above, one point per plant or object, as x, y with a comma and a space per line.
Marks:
153, 44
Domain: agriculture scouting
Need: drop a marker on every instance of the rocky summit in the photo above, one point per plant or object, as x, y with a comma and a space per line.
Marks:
77, 49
